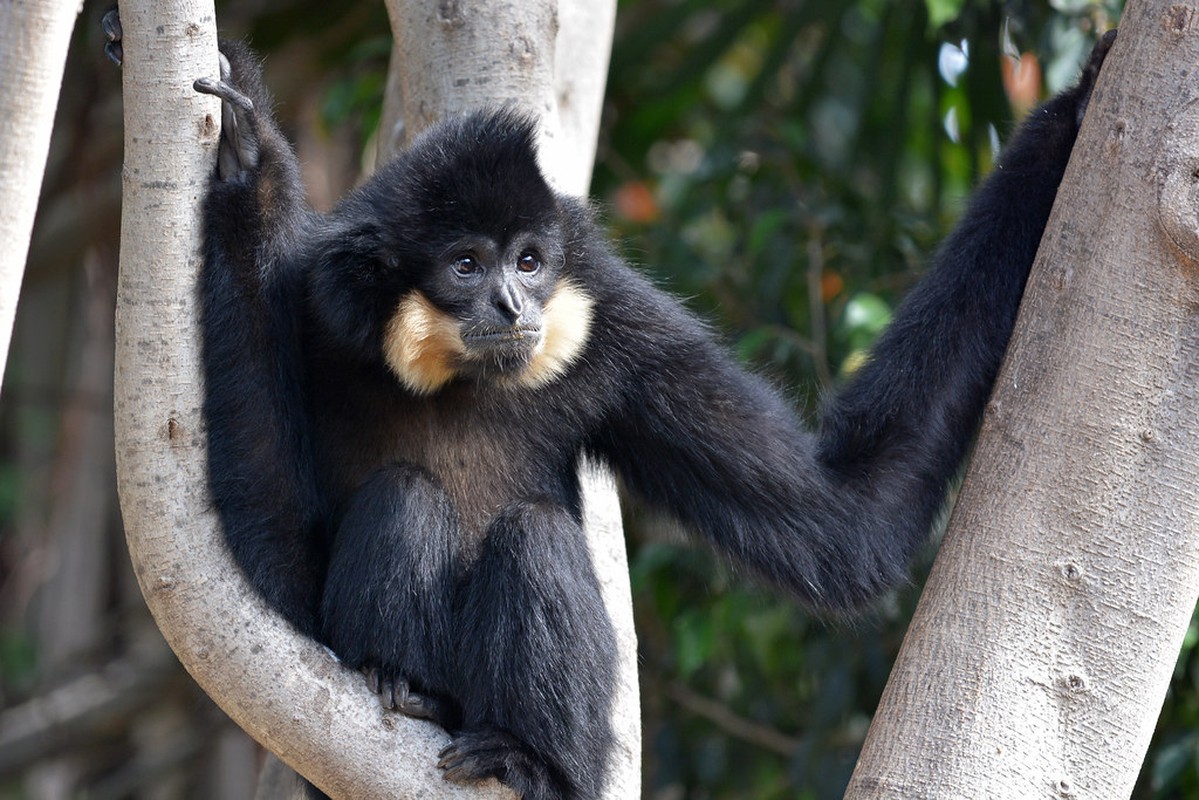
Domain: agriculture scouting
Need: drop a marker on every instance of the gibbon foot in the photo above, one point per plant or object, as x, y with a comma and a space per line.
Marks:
110, 23
395, 693
490, 753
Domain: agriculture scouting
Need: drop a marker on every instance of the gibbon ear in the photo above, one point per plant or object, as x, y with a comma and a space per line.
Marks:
353, 284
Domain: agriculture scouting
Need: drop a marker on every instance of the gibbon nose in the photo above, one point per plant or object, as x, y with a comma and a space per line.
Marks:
510, 302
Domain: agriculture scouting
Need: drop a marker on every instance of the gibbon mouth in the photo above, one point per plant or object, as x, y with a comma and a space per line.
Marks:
524, 334
493, 352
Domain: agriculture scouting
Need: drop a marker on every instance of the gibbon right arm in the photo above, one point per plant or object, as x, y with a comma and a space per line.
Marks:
260, 463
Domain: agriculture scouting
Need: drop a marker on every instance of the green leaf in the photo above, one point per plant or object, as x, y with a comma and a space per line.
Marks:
694, 638
764, 228
941, 12
866, 314
749, 345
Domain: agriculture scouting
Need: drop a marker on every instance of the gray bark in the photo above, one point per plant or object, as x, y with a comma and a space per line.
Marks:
284, 689
451, 57
33, 38
1044, 642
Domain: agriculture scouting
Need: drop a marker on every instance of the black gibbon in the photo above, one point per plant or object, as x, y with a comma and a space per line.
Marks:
398, 393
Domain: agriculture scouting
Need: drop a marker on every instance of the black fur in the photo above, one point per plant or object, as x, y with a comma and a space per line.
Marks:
436, 538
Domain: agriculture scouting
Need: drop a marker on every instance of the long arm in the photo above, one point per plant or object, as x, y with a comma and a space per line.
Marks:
719, 450
837, 516
260, 465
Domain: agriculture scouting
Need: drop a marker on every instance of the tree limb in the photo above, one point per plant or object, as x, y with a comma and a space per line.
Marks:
81, 708
1048, 630
284, 689
33, 38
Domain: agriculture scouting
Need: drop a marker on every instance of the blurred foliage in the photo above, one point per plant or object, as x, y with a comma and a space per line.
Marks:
1172, 767
787, 166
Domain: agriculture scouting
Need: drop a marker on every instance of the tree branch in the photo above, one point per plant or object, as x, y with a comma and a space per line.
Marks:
33, 38
1047, 633
82, 708
285, 690
734, 724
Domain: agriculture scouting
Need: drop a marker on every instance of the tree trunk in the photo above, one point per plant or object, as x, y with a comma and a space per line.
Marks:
33, 38
452, 57
284, 689
551, 59
1043, 645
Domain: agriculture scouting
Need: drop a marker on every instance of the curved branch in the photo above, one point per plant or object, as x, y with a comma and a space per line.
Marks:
285, 690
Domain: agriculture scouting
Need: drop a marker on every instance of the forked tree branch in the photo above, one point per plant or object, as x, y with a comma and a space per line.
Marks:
285, 690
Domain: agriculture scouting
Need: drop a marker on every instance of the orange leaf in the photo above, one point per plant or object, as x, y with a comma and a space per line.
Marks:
635, 202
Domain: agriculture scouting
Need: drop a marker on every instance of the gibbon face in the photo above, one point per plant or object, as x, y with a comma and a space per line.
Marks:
496, 313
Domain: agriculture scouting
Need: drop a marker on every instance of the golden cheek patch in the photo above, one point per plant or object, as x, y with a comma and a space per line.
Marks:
422, 344
566, 321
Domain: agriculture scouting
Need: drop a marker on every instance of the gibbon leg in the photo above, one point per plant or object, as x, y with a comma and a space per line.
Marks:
537, 659
388, 600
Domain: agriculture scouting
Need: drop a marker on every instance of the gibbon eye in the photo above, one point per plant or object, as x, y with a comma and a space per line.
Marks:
528, 262
466, 265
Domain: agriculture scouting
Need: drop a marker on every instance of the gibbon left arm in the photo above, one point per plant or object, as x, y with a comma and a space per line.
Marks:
837, 517
719, 450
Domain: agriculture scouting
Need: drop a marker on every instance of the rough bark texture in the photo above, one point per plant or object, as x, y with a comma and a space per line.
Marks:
287, 691
33, 38
1044, 642
454, 56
